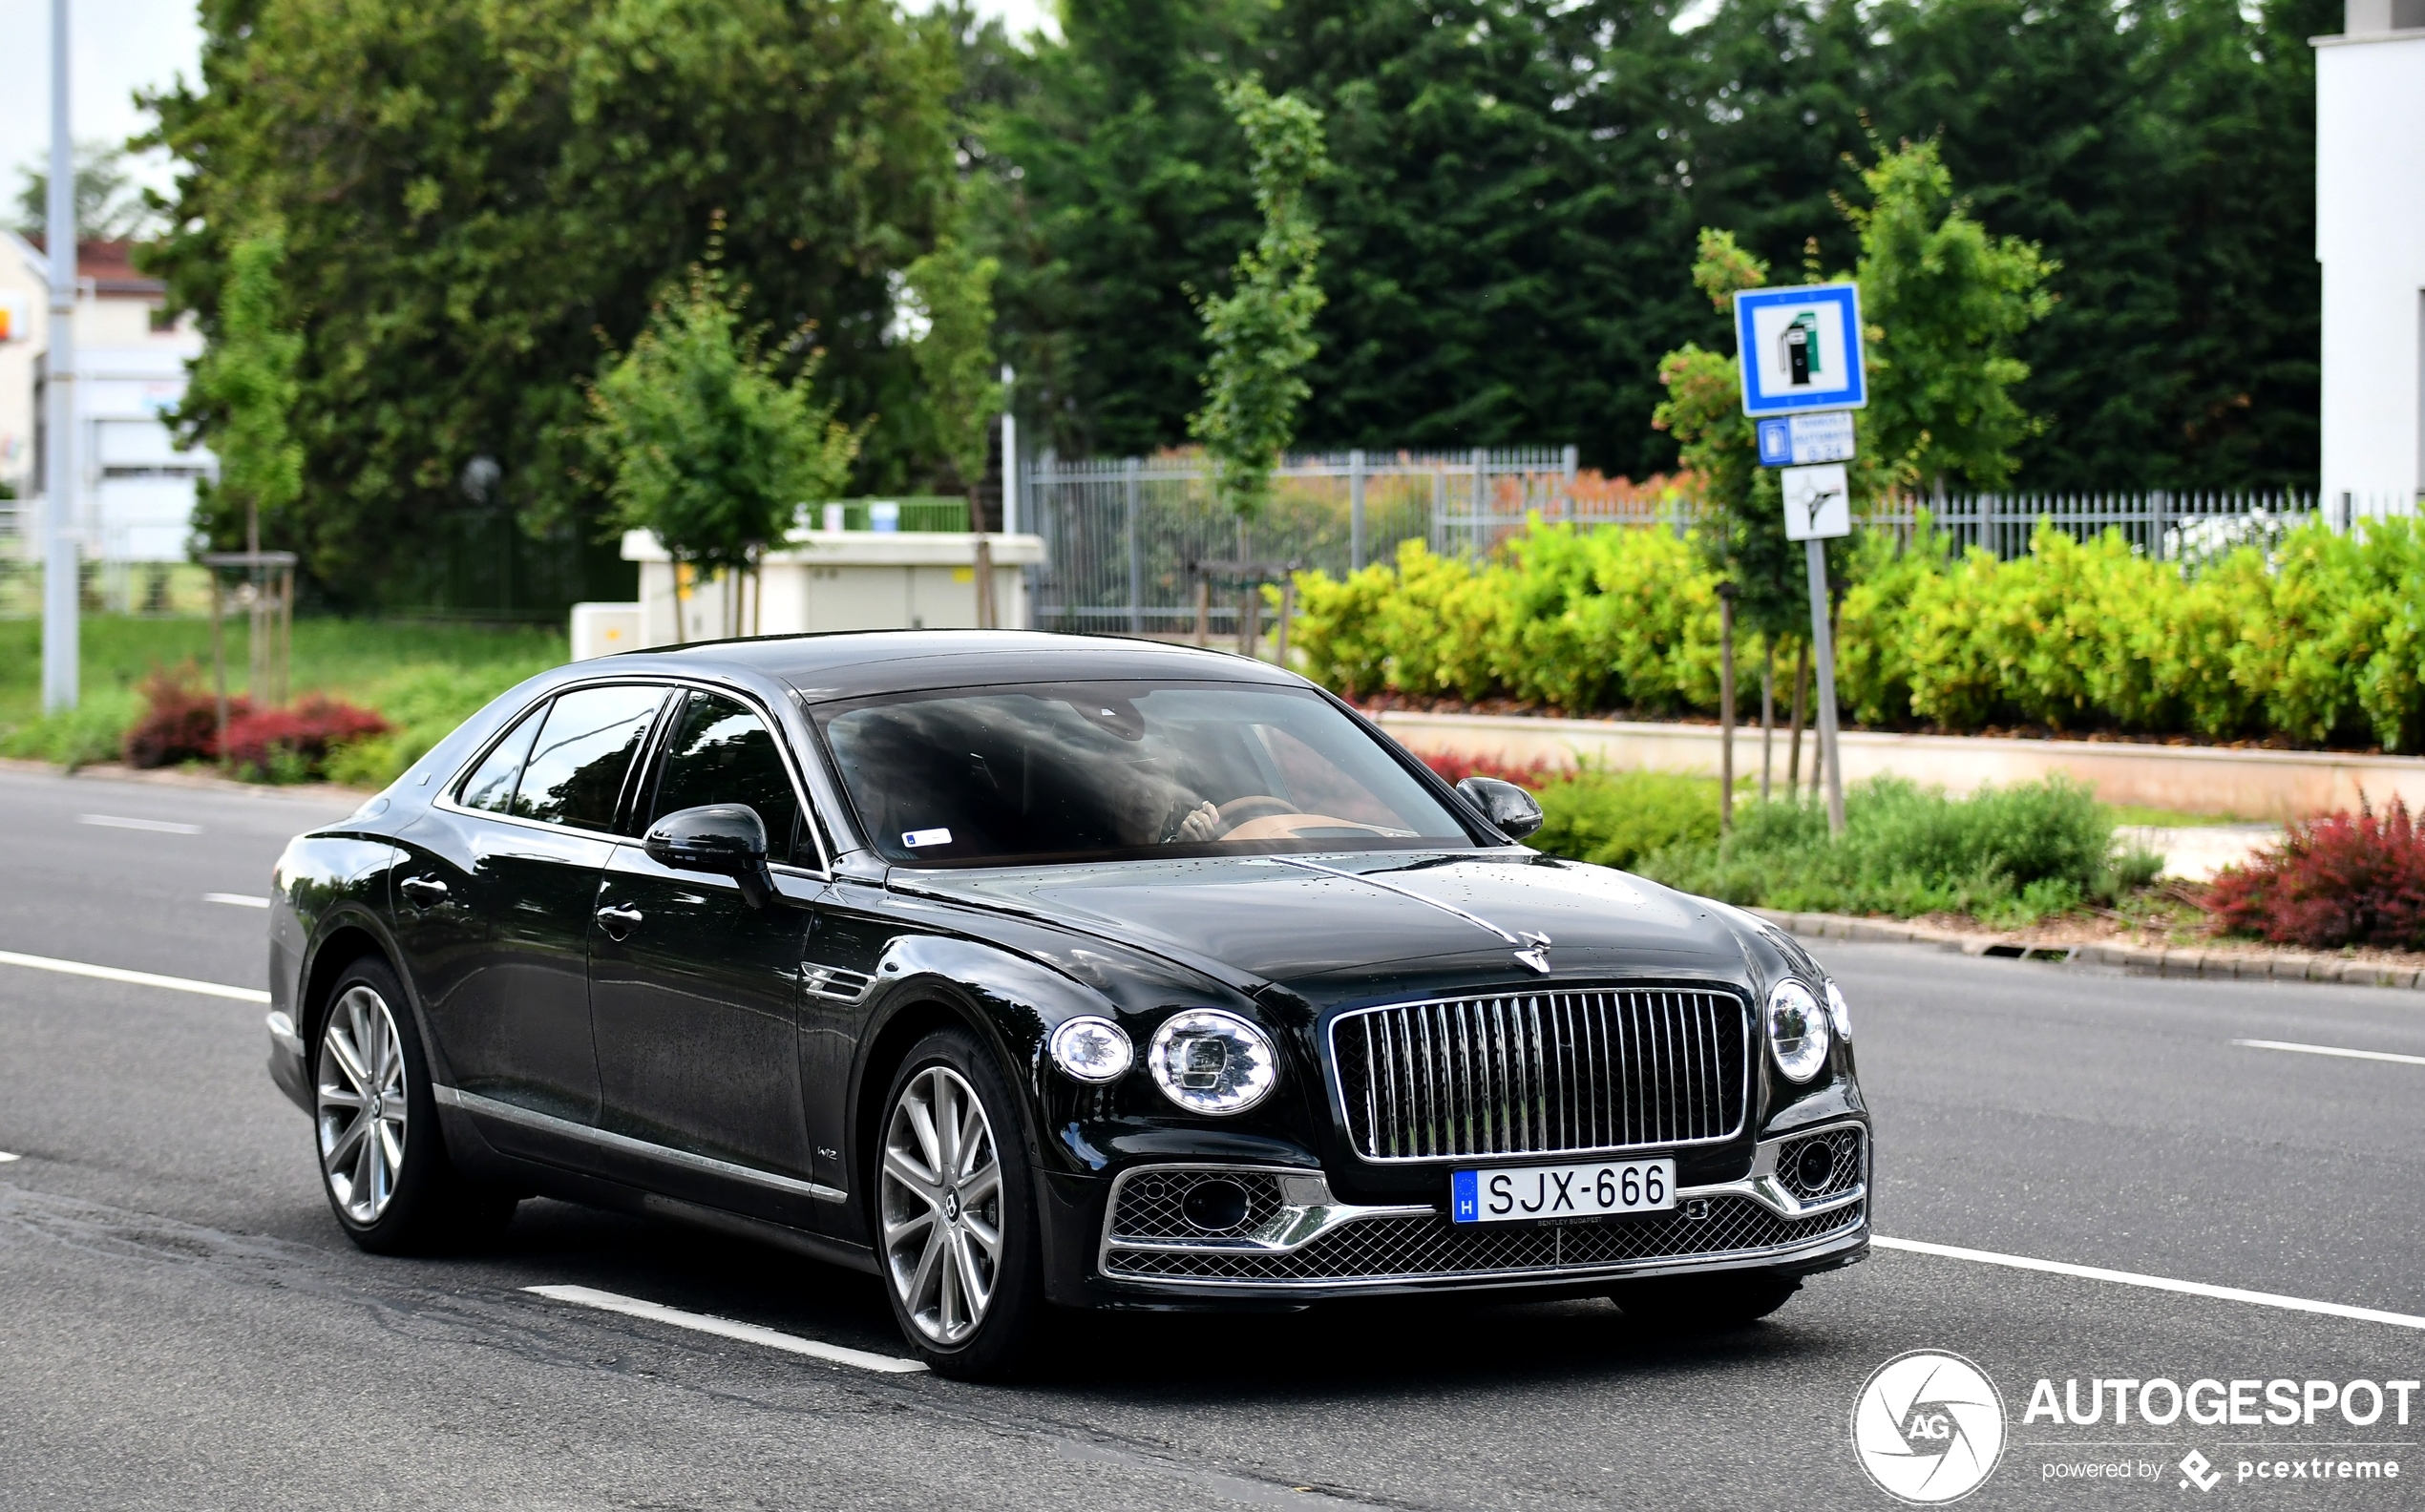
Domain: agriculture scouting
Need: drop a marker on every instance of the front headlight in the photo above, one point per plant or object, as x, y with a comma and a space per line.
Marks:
1211, 1061
1092, 1049
1796, 1030
1840, 1011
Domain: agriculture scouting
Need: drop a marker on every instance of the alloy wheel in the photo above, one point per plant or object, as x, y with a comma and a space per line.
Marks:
941, 1201
361, 1113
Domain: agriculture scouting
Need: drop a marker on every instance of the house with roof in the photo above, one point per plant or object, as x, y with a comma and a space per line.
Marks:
134, 488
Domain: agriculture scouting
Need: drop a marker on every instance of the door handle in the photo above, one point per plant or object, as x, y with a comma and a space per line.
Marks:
618, 920
423, 891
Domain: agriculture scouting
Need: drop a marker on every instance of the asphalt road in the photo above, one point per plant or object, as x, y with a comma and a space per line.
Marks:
183, 1326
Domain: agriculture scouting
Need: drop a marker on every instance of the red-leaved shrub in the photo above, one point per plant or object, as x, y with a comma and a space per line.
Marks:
304, 733
2340, 880
179, 721
1457, 768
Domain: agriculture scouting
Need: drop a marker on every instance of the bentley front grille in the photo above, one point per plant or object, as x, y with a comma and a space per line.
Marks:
1542, 1073
1428, 1247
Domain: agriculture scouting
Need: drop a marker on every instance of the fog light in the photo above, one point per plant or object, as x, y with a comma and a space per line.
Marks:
1214, 1207
1816, 1167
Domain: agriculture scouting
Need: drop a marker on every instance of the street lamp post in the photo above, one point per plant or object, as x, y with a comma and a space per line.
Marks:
60, 575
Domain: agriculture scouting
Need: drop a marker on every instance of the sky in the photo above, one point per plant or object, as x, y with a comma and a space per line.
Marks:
122, 46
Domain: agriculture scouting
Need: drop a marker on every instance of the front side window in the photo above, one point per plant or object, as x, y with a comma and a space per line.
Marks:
722, 753
576, 766
1123, 769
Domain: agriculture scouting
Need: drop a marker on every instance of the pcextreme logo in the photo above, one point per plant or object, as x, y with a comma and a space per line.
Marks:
1928, 1427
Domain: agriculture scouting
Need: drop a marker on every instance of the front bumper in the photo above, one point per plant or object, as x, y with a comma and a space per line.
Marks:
1297, 1243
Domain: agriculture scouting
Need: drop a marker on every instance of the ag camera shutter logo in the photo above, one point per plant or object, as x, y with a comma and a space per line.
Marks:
1928, 1427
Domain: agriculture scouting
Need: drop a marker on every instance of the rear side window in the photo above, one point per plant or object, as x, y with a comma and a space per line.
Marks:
722, 753
584, 750
491, 784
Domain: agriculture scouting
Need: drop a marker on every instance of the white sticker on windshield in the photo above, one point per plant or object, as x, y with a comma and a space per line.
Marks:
926, 837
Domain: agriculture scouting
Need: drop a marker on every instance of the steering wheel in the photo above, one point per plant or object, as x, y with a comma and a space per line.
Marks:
1256, 806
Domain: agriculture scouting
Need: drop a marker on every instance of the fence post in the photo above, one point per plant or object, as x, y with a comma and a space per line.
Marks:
2159, 506
1476, 527
1355, 509
1136, 563
1572, 464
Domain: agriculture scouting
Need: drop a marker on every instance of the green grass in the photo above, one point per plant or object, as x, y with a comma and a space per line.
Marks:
2008, 857
425, 679
2168, 818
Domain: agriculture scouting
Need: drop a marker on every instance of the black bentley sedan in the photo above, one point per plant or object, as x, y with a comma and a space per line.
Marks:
1029, 971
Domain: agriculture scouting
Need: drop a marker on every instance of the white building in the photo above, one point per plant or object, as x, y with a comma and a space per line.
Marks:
2370, 236
134, 495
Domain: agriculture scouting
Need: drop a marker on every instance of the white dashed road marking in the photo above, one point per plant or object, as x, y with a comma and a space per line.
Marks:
727, 1327
236, 899
2331, 1050
2221, 1293
156, 826
6, 1157
118, 974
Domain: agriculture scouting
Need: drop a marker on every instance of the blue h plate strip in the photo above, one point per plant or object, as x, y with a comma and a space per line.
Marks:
1465, 1195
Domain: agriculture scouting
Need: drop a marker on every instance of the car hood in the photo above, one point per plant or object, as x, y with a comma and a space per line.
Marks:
1304, 921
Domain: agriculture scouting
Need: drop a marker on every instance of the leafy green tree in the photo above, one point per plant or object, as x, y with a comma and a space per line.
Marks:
1261, 331
242, 395
701, 439
954, 290
1944, 302
480, 201
109, 205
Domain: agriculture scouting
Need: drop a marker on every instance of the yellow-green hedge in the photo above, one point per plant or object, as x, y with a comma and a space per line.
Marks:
2320, 639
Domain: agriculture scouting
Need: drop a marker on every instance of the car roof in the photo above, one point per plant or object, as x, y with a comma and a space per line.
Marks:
858, 663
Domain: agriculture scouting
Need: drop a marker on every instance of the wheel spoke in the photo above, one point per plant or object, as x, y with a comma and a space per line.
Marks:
946, 1122
894, 1231
366, 1174
971, 1142
921, 1123
925, 1274
344, 1148
974, 1189
349, 1061
951, 1305
985, 1235
972, 1286
903, 1169
341, 1097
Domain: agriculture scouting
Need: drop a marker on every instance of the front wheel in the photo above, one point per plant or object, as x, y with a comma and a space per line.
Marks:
383, 1162
956, 1211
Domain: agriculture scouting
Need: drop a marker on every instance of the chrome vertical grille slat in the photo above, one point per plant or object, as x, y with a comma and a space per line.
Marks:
1541, 1073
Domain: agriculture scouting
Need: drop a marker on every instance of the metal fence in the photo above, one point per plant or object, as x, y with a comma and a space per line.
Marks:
1123, 537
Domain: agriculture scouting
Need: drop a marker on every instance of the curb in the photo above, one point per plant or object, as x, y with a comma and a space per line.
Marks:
2218, 965
170, 777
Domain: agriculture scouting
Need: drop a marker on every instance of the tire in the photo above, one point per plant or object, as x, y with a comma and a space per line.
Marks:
383, 1161
1676, 1305
949, 1167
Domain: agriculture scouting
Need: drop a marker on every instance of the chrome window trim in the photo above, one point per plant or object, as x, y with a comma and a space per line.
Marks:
547, 1123
1752, 1030
445, 799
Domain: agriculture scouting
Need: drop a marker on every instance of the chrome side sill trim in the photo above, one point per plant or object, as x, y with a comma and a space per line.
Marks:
507, 1112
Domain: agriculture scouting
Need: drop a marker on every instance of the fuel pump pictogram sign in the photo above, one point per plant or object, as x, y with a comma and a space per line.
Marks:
1801, 350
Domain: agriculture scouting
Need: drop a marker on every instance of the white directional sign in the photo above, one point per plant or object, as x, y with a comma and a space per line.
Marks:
1818, 502
1799, 349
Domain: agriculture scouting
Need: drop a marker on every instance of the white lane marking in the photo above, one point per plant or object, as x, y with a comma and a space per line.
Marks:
2221, 1293
6, 1157
236, 899
2331, 1050
118, 974
727, 1327
157, 826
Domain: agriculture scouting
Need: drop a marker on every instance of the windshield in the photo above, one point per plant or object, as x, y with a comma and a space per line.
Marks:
1105, 770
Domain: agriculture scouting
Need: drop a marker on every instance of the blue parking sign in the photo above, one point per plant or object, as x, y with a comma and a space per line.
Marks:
1799, 349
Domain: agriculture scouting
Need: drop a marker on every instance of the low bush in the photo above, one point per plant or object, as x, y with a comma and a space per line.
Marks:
1457, 768
2309, 634
2342, 879
83, 736
2009, 855
293, 745
180, 721
1616, 818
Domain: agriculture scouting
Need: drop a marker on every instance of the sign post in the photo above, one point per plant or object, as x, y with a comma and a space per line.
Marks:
1801, 356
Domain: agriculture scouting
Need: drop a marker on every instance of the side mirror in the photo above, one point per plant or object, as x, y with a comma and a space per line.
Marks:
726, 839
1515, 811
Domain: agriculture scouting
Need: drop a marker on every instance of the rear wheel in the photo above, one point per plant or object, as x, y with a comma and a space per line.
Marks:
383, 1162
956, 1211
1703, 1304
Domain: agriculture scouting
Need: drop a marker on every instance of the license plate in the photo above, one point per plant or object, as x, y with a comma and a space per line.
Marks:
1530, 1193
